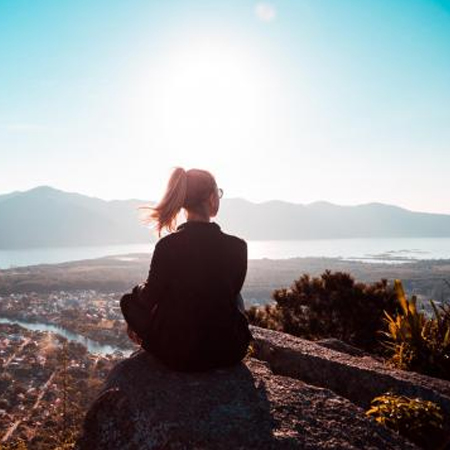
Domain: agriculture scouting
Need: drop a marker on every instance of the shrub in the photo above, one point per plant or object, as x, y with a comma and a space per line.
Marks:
418, 420
267, 316
417, 342
332, 305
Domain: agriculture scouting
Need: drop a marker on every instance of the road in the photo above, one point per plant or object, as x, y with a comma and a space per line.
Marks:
16, 352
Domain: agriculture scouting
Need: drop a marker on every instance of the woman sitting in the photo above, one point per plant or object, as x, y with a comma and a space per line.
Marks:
189, 312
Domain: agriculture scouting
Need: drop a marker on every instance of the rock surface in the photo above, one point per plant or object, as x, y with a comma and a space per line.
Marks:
143, 405
358, 379
342, 347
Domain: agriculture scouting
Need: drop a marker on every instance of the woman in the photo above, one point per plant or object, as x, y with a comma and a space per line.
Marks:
187, 312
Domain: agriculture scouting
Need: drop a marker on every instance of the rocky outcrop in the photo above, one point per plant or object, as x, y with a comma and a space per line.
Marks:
143, 405
291, 394
342, 347
358, 379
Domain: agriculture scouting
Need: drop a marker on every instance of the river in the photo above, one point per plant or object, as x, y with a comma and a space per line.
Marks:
91, 345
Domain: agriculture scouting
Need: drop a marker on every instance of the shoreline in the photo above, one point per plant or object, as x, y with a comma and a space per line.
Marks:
118, 274
130, 257
375, 250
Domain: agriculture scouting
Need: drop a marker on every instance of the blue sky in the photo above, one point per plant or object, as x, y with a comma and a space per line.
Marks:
346, 101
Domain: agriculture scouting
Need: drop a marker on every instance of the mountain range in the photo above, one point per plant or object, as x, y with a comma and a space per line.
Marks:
48, 217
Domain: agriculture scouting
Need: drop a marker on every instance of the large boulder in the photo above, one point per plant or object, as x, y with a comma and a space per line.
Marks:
144, 405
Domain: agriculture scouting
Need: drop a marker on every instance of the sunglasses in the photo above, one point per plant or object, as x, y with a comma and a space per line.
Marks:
220, 192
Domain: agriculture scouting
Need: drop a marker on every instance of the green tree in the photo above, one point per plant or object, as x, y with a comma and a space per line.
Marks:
331, 305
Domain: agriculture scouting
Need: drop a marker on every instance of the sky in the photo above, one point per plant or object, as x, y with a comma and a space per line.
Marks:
298, 100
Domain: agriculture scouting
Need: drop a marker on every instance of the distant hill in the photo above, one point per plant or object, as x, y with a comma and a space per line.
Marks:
321, 220
47, 217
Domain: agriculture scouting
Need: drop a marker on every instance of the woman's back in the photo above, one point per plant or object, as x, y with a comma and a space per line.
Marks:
200, 272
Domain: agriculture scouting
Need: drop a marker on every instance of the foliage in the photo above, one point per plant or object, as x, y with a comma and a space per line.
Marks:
418, 420
267, 316
332, 305
417, 342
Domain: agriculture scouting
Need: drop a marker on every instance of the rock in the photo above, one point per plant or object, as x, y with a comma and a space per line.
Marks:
342, 347
355, 378
143, 406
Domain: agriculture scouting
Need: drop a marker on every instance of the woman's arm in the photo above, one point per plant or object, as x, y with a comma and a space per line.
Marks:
151, 291
137, 307
242, 265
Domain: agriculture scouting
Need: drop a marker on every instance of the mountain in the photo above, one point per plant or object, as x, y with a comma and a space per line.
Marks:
48, 217
321, 220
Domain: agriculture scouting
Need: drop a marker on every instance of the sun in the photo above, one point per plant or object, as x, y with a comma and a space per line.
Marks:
265, 12
204, 94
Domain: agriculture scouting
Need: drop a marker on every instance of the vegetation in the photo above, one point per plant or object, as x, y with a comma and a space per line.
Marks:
417, 342
418, 420
332, 305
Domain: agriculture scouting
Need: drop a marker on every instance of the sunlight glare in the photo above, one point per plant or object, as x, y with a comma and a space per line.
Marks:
205, 95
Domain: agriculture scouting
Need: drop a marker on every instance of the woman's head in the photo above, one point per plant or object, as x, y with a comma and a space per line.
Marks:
194, 190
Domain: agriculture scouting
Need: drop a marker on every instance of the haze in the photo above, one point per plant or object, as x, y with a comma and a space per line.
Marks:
293, 100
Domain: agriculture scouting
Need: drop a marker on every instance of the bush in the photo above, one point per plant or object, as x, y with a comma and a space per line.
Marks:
332, 305
267, 316
418, 420
417, 342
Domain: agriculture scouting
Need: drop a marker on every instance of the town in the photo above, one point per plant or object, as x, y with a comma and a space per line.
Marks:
91, 314
47, 383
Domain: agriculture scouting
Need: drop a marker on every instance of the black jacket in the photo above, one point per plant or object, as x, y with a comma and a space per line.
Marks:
195, 276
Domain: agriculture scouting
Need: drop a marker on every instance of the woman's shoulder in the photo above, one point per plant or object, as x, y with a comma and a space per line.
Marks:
236, 239
235, 242
230, 238
164, 241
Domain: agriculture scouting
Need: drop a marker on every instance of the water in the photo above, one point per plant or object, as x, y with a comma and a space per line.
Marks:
92, 346
391, 250
54, 255
364, 249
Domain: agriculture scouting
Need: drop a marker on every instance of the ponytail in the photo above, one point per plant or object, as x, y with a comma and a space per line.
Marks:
164, 214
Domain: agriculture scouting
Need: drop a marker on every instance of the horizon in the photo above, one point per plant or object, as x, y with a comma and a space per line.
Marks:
226, 198
293, 101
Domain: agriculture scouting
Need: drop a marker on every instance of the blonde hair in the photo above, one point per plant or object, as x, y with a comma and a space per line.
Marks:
185, 189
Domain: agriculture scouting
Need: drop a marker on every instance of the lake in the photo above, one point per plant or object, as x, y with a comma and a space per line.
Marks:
392, 250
